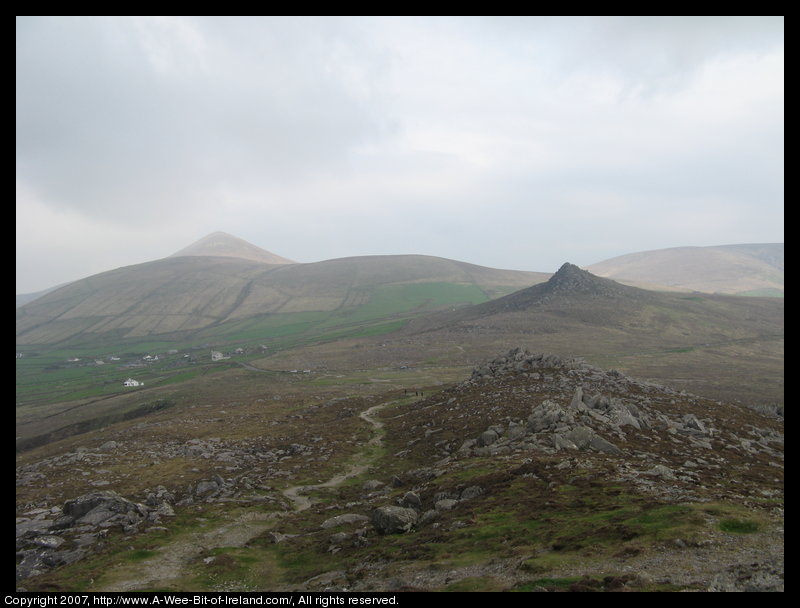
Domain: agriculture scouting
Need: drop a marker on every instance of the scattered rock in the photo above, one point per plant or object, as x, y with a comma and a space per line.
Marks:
662, 471
277, 537
393, 520
327, 580
754, 577
428, 517
471, 492
692, 424
411, 500
515, 431
487, 438
562, 443
206, 487
48, 542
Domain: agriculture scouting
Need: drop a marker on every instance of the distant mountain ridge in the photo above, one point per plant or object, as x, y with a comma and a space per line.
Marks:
223, 279
746, 269
188, 293
25, 298
741, 269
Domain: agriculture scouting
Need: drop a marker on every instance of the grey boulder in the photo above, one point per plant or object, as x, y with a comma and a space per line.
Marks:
393, 520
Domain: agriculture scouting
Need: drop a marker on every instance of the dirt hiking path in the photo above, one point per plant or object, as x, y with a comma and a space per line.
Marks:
169, 565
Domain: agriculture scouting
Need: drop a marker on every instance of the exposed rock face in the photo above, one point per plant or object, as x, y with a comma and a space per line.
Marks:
550, 416
101, 508
520, 360
66, 536
573, 426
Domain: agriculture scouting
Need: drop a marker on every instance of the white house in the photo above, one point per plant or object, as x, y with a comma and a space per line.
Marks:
132, 382
217, 356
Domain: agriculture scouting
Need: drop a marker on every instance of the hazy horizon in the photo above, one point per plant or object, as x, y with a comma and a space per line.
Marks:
408, 253
515, 143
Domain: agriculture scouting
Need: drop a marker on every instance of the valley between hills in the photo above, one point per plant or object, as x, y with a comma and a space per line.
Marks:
407, 424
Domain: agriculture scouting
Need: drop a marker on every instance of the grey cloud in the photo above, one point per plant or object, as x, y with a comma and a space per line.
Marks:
106, 118
511, 142
650, 54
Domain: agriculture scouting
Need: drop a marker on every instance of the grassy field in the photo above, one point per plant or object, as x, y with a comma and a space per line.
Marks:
50, 375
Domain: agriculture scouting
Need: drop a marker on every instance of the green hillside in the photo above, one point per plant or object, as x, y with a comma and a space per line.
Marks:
77, 345
182, 297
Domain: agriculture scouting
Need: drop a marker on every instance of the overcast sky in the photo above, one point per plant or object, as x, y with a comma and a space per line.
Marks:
518, 143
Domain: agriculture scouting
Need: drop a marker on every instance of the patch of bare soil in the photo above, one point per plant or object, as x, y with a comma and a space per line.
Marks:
171, 562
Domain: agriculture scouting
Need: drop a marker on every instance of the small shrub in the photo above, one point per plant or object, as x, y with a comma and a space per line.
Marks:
139, 554
738, 526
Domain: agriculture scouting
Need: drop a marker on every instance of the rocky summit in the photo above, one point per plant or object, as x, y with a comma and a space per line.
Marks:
537, 472
567, 286
571, 279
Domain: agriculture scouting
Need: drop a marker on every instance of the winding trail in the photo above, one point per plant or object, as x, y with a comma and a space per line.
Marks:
169, 564
358, 466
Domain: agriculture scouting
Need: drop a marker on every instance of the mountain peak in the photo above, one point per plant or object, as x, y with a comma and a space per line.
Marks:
568, 284
570, 278
222, 244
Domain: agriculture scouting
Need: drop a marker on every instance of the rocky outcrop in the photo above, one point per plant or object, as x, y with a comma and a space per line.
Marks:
520, 360
61, 536
551, 425
104, 509
587, 419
